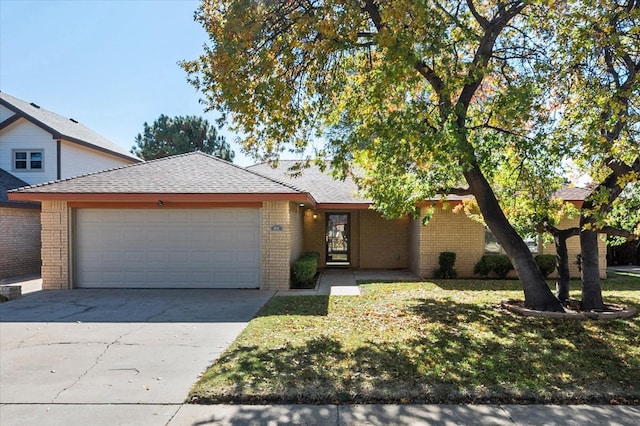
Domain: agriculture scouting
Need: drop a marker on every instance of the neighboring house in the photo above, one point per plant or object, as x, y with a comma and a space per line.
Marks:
39, 146
194, 220
19, 231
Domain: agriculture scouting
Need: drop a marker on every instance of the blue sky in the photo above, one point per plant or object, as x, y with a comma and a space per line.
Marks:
110, 64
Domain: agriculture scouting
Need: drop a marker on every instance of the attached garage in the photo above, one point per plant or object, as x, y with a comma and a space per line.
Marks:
186, 221
167, 248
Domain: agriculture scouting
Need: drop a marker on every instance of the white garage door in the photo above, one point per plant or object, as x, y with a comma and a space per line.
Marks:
163, 248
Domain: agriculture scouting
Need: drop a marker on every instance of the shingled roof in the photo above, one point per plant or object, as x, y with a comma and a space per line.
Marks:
60, 127
192, 173
321, 185
7, 183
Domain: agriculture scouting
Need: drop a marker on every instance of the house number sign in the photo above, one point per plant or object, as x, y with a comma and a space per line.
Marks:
276, 227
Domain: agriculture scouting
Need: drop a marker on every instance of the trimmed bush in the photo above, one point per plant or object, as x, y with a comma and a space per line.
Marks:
304, 270
546, 263
446, 260
496, 263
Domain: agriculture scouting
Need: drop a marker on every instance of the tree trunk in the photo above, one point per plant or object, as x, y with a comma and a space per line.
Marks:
537, 294
562, 263
591, 290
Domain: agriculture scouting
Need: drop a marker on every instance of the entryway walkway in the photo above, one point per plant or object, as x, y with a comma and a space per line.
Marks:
344, 282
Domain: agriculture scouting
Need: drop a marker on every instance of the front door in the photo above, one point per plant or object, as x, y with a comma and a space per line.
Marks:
337, 238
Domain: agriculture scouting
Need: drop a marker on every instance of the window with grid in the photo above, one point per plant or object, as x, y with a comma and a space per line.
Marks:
31, 159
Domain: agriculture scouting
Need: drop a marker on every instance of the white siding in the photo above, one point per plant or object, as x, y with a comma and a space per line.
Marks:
181, 248
5, 113
77, 160
25, 135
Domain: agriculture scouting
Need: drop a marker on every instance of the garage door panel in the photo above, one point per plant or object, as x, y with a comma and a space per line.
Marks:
199, 248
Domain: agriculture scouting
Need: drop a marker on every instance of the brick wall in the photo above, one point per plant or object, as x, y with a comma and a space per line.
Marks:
573, 247
295, 222
447, 231
19, 241
313, 230
276, 245
384, 244
55, 245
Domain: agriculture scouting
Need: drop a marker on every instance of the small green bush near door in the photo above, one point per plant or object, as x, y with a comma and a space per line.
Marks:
304, 270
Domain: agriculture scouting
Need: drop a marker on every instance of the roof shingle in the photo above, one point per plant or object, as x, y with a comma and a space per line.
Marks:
192, 173
322, 187
61, 127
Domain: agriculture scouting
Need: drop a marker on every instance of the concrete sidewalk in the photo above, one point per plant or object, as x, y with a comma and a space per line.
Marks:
344, 282
324, 415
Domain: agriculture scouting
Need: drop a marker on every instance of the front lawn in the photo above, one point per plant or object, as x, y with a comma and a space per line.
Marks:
431, 342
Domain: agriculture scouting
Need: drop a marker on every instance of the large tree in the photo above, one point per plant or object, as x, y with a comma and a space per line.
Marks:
597, 54
178, 135
427, 97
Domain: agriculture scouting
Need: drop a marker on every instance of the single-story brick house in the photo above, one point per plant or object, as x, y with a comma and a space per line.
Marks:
194, 220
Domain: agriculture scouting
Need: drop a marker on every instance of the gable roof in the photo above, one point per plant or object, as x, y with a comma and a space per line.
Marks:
192, 176
7, 183
60, 127
321, 185
327, 190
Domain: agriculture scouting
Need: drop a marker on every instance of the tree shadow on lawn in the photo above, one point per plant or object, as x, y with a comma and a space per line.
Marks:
464, 354
611, 284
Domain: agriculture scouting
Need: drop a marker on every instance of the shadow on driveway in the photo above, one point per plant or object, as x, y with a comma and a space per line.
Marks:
136, 305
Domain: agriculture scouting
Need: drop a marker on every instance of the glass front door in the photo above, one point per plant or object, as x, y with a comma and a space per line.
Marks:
337, 238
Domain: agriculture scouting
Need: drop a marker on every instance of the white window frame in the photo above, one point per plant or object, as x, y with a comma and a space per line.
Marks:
28, 160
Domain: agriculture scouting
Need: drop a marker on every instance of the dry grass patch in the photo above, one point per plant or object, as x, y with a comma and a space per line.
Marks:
431, 342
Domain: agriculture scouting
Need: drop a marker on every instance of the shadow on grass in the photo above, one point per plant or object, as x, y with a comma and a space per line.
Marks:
465, 353
614, 282
298, 305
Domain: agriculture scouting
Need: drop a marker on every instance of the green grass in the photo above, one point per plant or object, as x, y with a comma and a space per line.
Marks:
431, 342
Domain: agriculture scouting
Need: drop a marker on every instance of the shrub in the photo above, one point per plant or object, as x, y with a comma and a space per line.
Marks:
304, 269
446, 260
496, 263
546, 263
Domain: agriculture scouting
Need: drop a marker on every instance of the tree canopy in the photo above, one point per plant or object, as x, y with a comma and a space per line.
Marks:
432, 97
178, 135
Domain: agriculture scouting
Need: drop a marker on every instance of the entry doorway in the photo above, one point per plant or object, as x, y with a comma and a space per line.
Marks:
337, 239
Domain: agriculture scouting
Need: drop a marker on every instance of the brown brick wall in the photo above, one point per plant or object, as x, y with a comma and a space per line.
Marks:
55, 245
448, 231
384, 244
19, 241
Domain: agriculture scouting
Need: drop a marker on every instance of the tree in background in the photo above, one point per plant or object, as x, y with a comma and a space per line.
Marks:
178, 135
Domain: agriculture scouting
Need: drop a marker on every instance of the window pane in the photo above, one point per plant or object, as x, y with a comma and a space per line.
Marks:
21, 155
491, 245
21, 164
36, 164
36, 156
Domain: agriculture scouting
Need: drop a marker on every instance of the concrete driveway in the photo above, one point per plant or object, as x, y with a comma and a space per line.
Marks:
113, 346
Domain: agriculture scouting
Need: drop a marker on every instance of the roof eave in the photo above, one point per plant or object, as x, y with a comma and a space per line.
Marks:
154, 197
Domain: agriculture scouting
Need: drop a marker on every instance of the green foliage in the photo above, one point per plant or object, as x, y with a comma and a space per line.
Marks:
546, 263
179, 135
496, 263
446, 261
304, 270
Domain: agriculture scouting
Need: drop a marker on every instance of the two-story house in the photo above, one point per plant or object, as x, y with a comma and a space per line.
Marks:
37, 146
